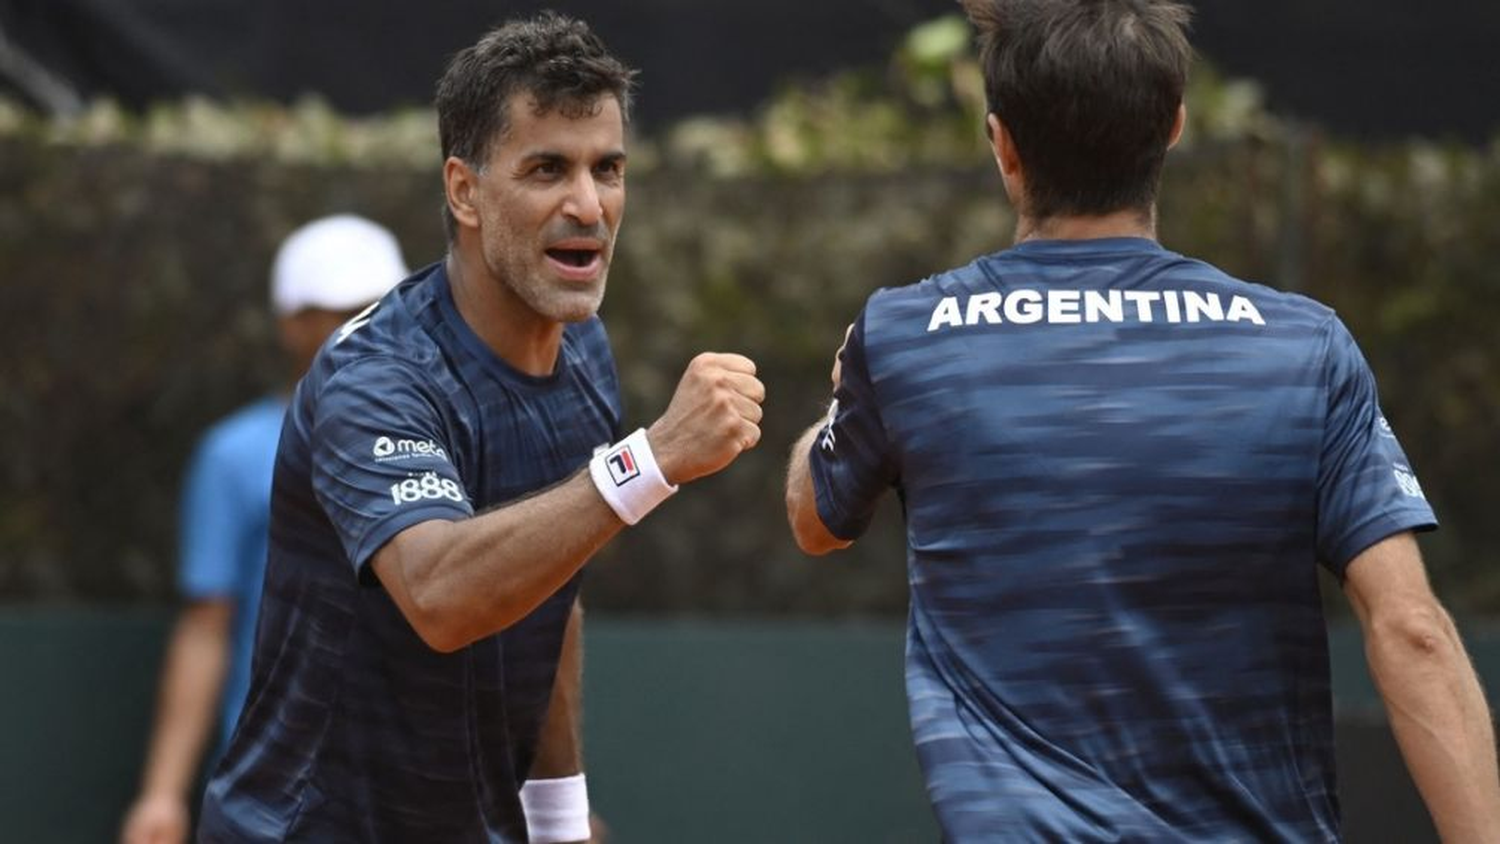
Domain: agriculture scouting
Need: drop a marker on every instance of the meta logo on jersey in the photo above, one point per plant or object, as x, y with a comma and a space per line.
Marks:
387, 449
623, 467
1065, 307
1407, 480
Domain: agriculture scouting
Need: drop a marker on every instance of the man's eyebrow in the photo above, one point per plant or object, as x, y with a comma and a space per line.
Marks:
544, 156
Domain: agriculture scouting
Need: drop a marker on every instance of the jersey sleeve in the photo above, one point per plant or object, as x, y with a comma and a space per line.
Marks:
1367, 489
382, 456
211, 523
851, 462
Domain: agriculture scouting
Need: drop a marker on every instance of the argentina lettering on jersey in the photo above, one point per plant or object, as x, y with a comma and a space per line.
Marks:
1070, 307
1119, 469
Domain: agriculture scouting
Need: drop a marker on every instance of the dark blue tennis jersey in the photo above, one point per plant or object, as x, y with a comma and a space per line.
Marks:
354, 730
1118, 467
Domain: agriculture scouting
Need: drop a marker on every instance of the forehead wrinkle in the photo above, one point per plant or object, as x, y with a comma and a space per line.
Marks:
574, 140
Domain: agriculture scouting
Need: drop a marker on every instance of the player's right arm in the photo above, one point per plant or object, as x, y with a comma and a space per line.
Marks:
840, 467
1432, 696
811, 535
457, 581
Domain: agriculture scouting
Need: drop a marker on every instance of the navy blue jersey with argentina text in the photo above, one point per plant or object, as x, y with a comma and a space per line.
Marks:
354, 730
1120, 468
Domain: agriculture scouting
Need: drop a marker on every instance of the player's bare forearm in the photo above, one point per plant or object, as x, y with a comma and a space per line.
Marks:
1432, 695
559, 750
459, 581
812, 536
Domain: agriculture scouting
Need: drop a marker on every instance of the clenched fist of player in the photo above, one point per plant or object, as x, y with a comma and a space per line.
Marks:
713, 417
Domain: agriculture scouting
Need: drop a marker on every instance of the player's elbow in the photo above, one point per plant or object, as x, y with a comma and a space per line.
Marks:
418, 576
442, 638
1421, 633
811, 535
817, 546
442, 641
432, 620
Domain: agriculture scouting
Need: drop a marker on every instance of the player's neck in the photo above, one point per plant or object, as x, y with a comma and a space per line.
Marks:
510, 329
1129, 223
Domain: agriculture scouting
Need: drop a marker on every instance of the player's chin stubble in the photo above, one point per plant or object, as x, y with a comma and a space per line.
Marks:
560, 301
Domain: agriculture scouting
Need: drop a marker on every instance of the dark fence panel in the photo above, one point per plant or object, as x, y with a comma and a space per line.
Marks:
742, 732
1367, 66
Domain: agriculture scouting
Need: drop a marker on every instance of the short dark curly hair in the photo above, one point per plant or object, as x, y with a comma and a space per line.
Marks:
558, 60
1089, 91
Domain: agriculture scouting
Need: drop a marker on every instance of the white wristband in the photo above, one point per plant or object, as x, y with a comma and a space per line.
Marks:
629, 479
556, 809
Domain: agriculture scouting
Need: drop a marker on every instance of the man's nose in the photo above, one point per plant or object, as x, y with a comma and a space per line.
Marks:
583, 205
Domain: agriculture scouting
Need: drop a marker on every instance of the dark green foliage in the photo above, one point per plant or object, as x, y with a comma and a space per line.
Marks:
134, 314
134, 289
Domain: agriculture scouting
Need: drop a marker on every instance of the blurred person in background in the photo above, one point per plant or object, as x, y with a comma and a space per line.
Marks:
324, 273
1118, 467
448, 468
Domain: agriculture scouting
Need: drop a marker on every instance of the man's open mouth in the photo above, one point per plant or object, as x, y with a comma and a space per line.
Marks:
573, 257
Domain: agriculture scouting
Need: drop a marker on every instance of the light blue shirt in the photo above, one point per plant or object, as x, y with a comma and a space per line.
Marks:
225, 511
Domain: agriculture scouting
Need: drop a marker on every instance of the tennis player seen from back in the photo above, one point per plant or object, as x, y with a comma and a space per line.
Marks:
1119, 468
438, 491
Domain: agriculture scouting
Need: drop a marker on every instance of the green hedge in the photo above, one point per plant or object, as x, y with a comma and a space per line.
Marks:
134, 251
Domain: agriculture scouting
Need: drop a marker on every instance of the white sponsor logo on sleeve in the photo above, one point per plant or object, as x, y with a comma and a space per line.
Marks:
426, 487
389, 449
1408, 482
1384, 427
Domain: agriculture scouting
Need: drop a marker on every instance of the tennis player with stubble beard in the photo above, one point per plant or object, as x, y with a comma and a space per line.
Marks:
447, 468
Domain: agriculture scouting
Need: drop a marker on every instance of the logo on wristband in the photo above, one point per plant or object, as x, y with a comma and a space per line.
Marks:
622, 466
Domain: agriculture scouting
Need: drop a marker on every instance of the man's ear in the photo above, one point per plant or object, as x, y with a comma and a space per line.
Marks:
1007, 157
459, 184
1178, 125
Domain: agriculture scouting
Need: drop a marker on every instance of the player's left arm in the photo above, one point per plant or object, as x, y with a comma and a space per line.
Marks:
559, 751
1431, 692
555, 795
1369, 502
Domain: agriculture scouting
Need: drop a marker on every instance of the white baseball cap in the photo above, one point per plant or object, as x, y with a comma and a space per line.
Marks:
336, 263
